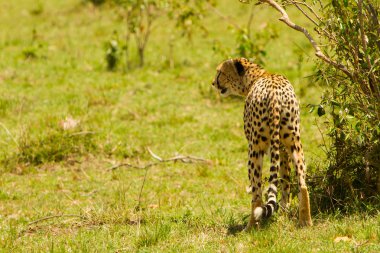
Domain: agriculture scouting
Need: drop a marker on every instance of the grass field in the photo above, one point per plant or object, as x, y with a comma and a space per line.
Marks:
58, 191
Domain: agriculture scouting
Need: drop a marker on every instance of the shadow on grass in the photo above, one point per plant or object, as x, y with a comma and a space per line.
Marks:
234, 227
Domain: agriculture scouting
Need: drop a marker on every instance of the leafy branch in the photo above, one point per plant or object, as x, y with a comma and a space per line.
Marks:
318, 52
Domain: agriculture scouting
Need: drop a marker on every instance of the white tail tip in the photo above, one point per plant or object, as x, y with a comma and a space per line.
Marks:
258, 213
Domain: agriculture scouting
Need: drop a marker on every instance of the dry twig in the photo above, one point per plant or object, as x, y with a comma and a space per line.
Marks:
296, 4
308, 7
318, 52
224, 17
141, 189
28, 226
9, 134
56, 216
373, 86
285, 18
178, 158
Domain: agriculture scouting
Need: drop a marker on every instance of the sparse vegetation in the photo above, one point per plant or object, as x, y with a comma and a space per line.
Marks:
66, 121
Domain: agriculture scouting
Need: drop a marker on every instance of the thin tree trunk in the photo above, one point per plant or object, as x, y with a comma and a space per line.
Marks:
141, 56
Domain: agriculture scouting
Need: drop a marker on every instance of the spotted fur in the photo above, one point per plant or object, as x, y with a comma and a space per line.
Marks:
271, 122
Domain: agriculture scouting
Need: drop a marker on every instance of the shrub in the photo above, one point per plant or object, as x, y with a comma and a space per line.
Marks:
112, 54
54, 145
353, 102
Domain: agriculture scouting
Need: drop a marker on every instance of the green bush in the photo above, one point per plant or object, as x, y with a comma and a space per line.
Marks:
55, 145
352, 100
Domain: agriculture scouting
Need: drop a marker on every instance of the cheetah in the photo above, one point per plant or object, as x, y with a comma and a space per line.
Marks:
271, 123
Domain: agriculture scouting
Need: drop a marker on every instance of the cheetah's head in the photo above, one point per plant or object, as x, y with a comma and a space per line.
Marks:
229, 77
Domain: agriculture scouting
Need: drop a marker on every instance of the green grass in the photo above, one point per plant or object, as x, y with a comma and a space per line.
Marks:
52, 67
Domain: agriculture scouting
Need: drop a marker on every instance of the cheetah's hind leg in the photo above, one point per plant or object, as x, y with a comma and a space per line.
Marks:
284, 179
303, 195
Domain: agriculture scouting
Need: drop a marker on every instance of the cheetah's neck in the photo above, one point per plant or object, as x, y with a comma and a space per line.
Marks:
254, 72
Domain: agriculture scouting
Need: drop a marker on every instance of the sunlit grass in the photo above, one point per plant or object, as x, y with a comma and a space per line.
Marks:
52, 68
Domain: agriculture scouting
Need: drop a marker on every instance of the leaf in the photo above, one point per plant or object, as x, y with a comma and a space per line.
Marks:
312, 107
321, 111
153, 206
346, 137
335, 103
357, 126
69, 123
342, 239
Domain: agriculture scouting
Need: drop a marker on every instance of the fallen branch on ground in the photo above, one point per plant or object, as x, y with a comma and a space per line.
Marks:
56, 216
29, 228
178, 158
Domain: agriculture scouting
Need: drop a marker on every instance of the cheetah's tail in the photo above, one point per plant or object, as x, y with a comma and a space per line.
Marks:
265, 211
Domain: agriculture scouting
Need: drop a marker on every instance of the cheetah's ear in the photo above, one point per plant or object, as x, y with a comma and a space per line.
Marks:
239, 67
